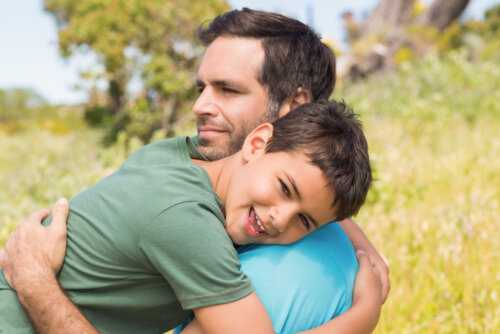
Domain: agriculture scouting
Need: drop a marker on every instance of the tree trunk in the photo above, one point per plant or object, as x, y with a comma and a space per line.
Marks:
442, 12
388, 13
169, 106
389, 19
116, 95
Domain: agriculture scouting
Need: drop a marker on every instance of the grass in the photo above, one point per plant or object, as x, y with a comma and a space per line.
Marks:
434, 210
433, 131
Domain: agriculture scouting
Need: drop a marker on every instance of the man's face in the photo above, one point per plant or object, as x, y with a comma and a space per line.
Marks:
277, 198
232, 102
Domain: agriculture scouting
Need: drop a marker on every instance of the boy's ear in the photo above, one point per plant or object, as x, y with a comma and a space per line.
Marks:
255, 143
295, 100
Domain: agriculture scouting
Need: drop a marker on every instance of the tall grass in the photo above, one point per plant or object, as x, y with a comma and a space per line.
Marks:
433, 130
434, 135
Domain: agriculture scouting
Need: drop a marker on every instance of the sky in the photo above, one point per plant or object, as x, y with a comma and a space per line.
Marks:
29, 55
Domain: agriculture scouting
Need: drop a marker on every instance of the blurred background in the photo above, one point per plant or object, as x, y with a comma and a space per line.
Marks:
85, 83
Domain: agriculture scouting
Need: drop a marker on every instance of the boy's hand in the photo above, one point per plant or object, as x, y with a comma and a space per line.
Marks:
361, 242
382, 270
34, 251
367, 289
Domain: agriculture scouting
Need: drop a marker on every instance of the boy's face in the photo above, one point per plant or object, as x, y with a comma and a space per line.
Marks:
277, 198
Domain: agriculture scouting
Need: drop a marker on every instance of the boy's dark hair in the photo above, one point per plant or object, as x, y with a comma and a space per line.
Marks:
294, 54
330, 134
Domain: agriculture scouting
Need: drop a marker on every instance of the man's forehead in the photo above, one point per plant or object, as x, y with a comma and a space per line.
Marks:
231, 59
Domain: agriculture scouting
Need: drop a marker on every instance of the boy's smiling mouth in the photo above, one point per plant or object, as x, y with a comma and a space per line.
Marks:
254, 225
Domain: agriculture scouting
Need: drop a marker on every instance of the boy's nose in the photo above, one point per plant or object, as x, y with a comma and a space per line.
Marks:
281, 217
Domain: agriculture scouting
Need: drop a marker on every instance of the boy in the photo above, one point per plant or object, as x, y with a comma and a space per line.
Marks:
139, 261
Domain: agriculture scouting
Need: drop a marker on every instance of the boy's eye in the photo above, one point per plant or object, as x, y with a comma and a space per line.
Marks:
305, 222
285, 189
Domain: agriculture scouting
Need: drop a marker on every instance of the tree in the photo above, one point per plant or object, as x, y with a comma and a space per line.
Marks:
394, 29
442, 12
151, 41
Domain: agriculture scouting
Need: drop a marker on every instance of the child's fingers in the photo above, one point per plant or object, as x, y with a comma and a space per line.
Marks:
37, 216
368, 278
60, 214
384, 279
363, 258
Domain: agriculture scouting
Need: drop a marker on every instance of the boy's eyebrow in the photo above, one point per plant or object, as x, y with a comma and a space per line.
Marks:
292, 182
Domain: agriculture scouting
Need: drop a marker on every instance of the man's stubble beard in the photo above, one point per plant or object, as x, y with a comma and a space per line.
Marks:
238, 136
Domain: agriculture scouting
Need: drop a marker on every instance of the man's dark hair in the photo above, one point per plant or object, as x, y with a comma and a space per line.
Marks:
330, 134
294, 54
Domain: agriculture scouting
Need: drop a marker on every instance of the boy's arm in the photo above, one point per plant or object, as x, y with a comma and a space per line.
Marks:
30, 261
360, 241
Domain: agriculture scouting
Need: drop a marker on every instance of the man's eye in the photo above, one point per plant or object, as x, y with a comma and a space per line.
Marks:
304, 221
229, 90
285, 189
200, 89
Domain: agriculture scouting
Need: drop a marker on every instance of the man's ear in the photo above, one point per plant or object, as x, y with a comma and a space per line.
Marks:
295, 100
255, 143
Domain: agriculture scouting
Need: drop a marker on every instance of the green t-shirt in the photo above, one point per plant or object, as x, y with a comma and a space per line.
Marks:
145, 246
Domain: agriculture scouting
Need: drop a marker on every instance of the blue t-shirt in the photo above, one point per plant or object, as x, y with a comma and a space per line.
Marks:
305, 284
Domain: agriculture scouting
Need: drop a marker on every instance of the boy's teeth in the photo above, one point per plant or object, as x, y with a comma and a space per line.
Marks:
259, 223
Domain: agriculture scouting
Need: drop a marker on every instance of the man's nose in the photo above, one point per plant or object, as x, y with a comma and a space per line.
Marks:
206, 104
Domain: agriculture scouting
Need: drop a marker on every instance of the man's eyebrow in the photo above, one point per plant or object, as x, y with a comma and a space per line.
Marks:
225, 83
292, 182
219, 83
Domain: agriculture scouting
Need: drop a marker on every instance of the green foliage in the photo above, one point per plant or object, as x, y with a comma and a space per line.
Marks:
137, 121
14, 103
97, 115
23, 110
481, 38
153, 41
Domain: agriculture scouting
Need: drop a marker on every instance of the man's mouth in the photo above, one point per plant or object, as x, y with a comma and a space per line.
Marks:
206, 132
255, 227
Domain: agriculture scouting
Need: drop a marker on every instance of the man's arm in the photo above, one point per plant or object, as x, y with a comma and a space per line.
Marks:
363, 316
246, 315
360, 241
30, 261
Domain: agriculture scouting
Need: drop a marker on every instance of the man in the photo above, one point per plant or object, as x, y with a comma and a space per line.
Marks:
257, 67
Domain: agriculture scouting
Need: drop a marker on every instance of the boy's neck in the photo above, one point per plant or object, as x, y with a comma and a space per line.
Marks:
221, 171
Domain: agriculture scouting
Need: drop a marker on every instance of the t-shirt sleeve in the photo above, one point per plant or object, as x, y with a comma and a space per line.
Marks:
189, 246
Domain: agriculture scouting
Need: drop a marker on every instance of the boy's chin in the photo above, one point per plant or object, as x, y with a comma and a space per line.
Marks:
242, 240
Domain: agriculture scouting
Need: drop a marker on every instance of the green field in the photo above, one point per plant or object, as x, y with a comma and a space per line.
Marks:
433, 211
